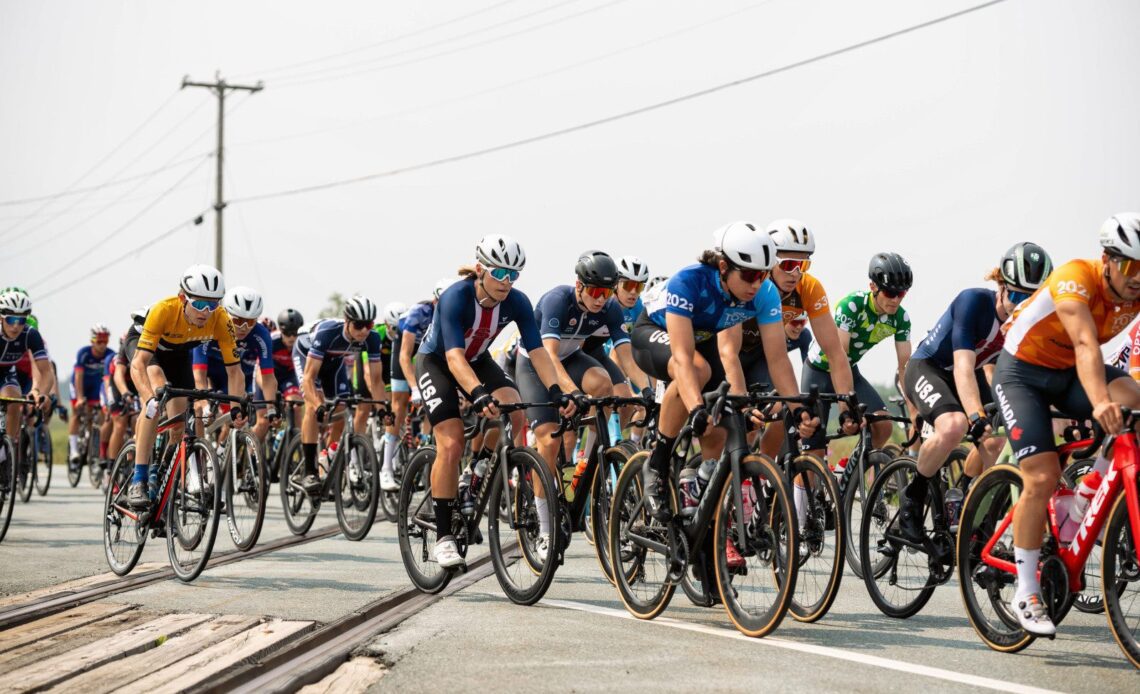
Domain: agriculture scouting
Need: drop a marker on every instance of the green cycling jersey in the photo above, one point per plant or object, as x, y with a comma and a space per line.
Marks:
856, 315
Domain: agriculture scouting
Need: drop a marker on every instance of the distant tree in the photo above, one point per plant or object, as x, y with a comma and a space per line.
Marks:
335, 306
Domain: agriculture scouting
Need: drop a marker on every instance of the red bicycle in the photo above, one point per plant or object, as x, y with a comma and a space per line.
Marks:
988, 576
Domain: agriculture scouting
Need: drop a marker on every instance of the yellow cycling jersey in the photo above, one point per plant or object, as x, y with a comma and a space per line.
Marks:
166, 329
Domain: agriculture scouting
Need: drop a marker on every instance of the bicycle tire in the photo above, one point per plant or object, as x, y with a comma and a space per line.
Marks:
246, 480
637, 566
415, 512
7, 484
390, 501
351, 491
821, 552
1091, 598
991, 496
186, 506
300, 511
908, 597
601, 496
1120, 570
25, 467
42, 450
853, 503
525, 578
123, 535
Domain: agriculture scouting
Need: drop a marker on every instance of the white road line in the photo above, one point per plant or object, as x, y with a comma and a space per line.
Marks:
838, 654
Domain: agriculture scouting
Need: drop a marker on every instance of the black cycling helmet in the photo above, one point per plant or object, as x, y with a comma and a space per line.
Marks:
890, 271
290, 321
1025, 266
597, 269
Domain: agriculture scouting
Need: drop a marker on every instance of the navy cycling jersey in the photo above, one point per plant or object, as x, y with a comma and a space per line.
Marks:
461, 323
971, 323
328, 342
282, 358
29, 340
696, 293
560, 317
255, 351
417, 320
92, 367
802, 343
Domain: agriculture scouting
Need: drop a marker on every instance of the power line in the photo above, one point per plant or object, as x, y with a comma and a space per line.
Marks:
619, 116
40, 296
100, 186
451, 51
99, 204
384, 42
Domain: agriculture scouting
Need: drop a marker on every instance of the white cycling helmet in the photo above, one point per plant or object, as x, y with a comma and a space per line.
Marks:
791, 236
744, 245
14, 303
392, 312
496, 250
631, 267
360, 308
1120, 234
100, 329
442, 285
654, 281
243, 302
138, 316
203, 282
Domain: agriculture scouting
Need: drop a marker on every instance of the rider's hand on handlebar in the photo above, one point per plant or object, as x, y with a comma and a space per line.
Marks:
1109, 416
806, 422
848, 424
979, 427
483, 402
699, 417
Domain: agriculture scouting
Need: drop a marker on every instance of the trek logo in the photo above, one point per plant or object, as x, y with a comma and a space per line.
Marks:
924, 389
429, 393
1092, 515
1006, 412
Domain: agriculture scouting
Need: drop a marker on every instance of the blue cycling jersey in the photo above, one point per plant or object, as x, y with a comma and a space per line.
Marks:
91, 367
697, 294
328, 341
971, 322
255, 351
461, 323
417, 320
560, 317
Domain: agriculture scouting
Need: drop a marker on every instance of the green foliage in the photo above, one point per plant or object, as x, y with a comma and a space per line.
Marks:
335, 306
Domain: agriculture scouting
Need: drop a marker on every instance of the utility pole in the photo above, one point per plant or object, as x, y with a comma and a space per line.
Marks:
219, 86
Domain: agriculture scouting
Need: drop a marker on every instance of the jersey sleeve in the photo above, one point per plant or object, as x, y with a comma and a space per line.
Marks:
79, 358
902, 330
767, 304
450, 312
1073, 281
263, 343
373, 347
157, 320
680, 293
200, 356
523, 314
551, 315
968, 309
615, 319
224, 334
814, 297
847, 313
320, 343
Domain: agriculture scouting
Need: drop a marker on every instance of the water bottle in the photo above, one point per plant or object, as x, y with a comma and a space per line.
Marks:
689, 489
1060, 511
1086, 490
476, 478
704, 474
578, 471
152, 481
466, 498
953, 501
748, 497
840, 467
277, 441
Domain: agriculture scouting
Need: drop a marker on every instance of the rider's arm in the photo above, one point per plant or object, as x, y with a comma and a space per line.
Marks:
550, 347
550, 371
268, 384
120, 377
623, 354
776, 353
902, 353
139, 374
833, 342
77, 380
460, 368
309, 385
43, 371
965, 361
683, 347
407, 350
1078, 322
728, 346
373, 367
199, 364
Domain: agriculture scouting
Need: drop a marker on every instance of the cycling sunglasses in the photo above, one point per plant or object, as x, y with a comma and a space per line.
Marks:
751, 276
15, 320
361, 324
502, 274
632, 286
597, 292
893, 293
244, 322
1127, 266
791, 265
798, 322
210, 305
1017, 297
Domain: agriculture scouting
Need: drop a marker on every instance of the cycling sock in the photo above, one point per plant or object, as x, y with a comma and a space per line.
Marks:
390, 443
659, 458
801, 499
73, 441
309, 453
635, 436
444, 509
1027, 582
916, 490
141, 473
543, 515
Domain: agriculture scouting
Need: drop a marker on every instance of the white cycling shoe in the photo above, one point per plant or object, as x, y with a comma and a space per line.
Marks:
542, 547
446, 554
388, 481
1033, 616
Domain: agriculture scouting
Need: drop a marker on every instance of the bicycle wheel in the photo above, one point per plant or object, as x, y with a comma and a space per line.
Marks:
75, 468
756, 593
95, 464
1091, 598
898, 576
640, 545
522, 573
300, 511
986, 590
25, 468
246, 490
357, 483
193, 510
821, 551
390, 501
1121, 579
7, 484
415, 524
854, 505
41, 447
123, 535
601, 496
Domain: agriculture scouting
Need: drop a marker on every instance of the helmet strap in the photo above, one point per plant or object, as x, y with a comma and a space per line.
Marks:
481, 285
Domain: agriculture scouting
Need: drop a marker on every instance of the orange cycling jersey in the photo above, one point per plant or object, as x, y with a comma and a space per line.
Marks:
167, 329
808, 296
1035, 334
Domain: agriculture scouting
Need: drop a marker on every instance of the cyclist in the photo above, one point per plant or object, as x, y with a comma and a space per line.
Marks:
453, 357
690, 334
324, 357
124, 395
173, 328
798, 336
19, 339
865, 318
289, 322
255, 349
86, 379
949, 374
1051, 357
390, 325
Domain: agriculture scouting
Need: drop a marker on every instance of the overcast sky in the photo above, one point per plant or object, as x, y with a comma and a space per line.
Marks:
947, 144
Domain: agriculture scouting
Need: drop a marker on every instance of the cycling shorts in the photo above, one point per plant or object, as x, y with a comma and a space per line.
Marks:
816, 378
600, 355
440, 390
933, 390
531, 389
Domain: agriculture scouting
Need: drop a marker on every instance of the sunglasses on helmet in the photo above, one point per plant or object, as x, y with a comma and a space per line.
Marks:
209, 305
502, 274
791, 265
